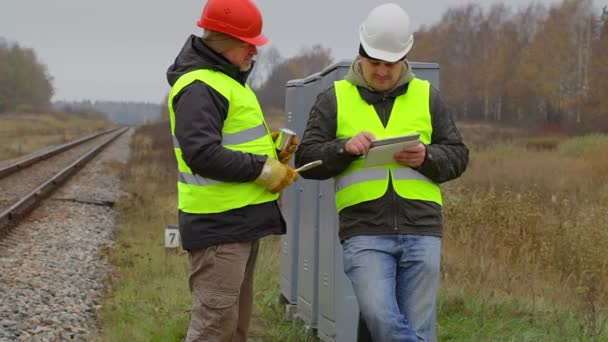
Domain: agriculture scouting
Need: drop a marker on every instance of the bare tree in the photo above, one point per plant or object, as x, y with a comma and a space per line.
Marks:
268, 58
308, 61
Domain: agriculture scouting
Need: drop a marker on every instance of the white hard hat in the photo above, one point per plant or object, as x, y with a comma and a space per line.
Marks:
385, 34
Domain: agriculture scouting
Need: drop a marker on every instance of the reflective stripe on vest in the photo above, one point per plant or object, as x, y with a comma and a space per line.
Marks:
239, 137
244, 130
410, 114
371, 174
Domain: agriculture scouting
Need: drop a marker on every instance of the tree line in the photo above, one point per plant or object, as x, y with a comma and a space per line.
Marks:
537, 65
24, 82
126, 112
273, 71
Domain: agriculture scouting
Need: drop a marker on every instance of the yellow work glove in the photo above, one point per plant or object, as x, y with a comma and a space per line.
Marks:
285, 156
276, 176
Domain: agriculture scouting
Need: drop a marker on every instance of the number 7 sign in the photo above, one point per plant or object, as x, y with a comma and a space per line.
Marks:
172, 237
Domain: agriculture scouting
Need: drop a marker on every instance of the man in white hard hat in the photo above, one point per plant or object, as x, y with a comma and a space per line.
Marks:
390, 215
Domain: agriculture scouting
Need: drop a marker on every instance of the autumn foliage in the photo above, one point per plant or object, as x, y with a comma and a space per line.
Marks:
25, 84
535, 66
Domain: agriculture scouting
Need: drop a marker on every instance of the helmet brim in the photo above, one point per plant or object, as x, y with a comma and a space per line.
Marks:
257, 41
385, 55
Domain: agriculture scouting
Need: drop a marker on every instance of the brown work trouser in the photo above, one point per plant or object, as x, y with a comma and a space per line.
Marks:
221, 284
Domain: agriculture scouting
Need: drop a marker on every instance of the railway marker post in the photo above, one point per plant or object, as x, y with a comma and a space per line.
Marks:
172, 242
172, 239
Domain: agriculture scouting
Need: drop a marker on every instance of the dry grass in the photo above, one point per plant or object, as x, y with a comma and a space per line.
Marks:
149, 299
483, 135
532, 225
24, 133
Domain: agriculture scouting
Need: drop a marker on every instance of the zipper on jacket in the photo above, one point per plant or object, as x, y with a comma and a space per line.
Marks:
390, 178
383, 113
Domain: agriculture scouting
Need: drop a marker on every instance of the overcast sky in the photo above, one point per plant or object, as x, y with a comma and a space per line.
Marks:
119, 49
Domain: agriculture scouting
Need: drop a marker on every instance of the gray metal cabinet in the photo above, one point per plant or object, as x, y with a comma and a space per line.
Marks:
290, 200
308, 223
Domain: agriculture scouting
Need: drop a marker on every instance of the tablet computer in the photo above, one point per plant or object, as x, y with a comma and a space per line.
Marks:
394, 140
382, 151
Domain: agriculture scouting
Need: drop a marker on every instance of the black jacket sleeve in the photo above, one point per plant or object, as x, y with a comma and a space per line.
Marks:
319, 140
447, 155
200, 112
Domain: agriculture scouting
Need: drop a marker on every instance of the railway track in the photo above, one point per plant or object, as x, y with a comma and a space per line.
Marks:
53, 268
24, 183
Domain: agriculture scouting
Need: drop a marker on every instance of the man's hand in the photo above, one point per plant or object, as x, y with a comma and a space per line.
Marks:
359, 144
276, 176
411, 156
285, 156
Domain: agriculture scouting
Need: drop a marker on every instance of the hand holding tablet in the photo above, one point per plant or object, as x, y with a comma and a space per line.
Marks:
382, 150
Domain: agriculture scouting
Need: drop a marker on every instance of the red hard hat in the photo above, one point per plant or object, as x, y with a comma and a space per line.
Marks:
238, 18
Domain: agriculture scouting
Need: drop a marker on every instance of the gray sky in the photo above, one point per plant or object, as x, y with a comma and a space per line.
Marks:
119, 49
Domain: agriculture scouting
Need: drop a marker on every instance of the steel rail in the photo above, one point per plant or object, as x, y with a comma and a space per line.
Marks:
12, 168
11, 216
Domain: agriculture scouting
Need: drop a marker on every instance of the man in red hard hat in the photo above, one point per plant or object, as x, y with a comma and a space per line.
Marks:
229, 172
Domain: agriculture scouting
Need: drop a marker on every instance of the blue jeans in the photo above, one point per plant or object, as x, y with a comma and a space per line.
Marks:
395, 279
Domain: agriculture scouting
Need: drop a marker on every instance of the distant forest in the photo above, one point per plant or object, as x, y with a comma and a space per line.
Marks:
126, 113
537, 65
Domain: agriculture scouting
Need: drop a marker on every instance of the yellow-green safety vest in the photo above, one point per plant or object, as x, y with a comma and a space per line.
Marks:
244, 130
410, 114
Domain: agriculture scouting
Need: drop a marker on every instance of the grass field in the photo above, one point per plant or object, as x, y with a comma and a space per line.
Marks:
23, 133
523, 257
526, 232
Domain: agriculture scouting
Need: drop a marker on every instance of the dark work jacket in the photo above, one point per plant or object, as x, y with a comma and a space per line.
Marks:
447, 158
200, 112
